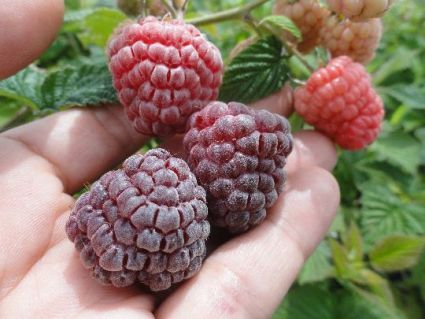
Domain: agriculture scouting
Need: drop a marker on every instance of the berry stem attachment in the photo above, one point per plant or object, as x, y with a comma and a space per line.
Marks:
231, 14
144, 11
180, 6
293, 50
170, 8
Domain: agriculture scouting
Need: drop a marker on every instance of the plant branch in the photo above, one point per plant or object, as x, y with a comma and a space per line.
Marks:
170, 8
292, 49
225, 15
180, 7
144, 12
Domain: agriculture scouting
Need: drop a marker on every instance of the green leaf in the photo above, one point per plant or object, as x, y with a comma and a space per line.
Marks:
398, 61
385, 214
317, 302
78, 86
338, 224
418, 274
318, 267
396, 253
283, 23
72, 4
357, 303
353, 243
340, 257
378, 285
400, 149
255, 73
99, 25
420, 134
24, 86
307, 302
410, 95
8, 110
76, 16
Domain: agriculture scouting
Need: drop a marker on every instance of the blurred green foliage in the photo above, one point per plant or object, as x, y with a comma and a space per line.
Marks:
372, 262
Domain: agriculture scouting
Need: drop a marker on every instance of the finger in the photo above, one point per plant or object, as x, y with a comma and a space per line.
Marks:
311, 148
75, 146
248, 276
280, 102
62, 288
29, 28
80, 144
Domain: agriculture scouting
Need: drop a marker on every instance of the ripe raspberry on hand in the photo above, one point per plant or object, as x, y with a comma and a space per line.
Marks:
308, 15
339, 101
163, 72
358, 40
238, 155
145, 222
360, 9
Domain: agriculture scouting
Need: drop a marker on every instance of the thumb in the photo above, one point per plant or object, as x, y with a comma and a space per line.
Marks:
28, 29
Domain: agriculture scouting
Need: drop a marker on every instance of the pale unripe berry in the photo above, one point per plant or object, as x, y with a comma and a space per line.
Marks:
360, 9
359, 40
308, 15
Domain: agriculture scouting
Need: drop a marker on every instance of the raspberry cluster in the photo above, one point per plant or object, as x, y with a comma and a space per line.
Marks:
359, 40
339, 101
163, 72
360, 9
145, 222
308, 15
238, 155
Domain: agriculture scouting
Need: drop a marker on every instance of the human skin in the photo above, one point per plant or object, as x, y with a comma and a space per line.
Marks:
44, 162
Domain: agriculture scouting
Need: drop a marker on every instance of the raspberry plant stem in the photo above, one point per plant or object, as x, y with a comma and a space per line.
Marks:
231, 14
144, 12
243, 13
170, 8
290, 48
180, 8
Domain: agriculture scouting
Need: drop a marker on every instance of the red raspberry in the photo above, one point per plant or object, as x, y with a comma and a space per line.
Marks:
358, 40
360, 9
308, 15
145, 222
339, 101
163, 72
238, 155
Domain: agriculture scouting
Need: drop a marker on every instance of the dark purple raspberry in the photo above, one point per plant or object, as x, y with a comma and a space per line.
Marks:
238, 155
145, 222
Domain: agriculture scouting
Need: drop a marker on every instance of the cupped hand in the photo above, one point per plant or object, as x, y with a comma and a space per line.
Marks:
44, 162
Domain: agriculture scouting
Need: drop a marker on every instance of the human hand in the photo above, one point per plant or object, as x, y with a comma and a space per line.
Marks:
44, 162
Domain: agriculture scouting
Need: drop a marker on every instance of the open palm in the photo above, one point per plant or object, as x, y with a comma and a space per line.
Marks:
42, 163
